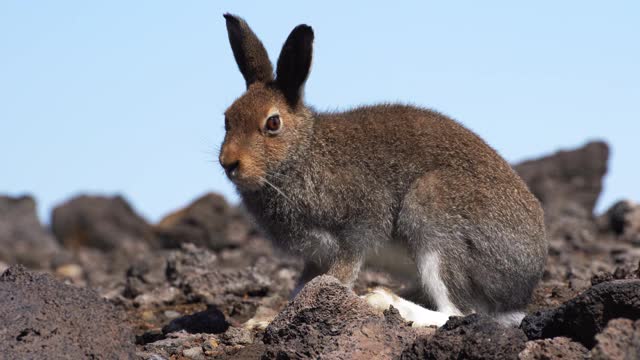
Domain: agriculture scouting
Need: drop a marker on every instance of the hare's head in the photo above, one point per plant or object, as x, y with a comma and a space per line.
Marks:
269, 122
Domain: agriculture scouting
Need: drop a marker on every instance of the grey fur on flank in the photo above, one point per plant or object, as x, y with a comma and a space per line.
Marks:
334, 186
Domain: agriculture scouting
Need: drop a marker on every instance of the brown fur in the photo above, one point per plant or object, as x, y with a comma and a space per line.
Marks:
334, 185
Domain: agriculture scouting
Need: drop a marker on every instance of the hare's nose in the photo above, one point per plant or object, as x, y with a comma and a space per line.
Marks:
231, 168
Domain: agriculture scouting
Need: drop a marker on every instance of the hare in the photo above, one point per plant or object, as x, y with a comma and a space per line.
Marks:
334, 186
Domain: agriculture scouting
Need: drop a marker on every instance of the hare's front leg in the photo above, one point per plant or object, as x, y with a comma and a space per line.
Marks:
328, 253
346, 268
343, 267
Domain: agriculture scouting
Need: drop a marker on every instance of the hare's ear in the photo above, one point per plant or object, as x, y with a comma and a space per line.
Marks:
294, 63
249, 52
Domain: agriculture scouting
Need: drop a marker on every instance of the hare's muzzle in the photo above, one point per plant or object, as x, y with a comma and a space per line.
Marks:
231, 168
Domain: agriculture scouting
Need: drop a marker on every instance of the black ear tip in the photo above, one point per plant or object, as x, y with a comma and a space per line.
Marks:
304, 30
232, 18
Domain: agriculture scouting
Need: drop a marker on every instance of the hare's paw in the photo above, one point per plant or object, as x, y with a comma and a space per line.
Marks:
426, 317
381, 299
254, 324
263, 317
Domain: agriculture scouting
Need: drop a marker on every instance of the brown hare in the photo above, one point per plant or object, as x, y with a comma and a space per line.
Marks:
334, 186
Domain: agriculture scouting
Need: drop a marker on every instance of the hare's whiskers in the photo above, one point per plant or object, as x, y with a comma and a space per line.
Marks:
275, 188
278, 176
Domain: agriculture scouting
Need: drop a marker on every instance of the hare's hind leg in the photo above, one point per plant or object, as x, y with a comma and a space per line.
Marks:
470, 255
429, 270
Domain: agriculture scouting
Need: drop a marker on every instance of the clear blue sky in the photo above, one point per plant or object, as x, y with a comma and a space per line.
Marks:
127, 96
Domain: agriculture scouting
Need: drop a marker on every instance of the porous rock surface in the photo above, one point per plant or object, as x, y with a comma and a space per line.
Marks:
41, 318
471, 337
201, 277
619, 340
588, 314
556, 348
327, 320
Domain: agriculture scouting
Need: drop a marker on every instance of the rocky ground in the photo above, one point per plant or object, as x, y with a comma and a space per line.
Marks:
101, 282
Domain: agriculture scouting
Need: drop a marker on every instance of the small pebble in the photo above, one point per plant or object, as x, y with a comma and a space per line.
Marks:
70, 271
194, 353
148, 315
156, 357
210, 346
171, 314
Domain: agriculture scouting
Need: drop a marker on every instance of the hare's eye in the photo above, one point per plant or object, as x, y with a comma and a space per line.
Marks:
273, 124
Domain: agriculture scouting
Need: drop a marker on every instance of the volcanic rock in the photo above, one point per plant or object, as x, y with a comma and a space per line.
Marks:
619, 340
42, 318
22, 238
238, 291
556, 348
588, 314
210, 321
227, 345
105, 223
620, 273
623, 220
207, 222
471, 337
568, 181
328, 320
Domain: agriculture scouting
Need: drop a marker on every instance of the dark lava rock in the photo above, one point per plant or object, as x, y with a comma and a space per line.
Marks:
587, 315
137, 282
224, 281
198, 273
190, 260
619, 340
328, 320
556, 348
210, 321
22, 238
105, 223
471, 337
42, 318
575, 232
208, 222
616, 219
568, 180
620, 273
181, 345
623, 220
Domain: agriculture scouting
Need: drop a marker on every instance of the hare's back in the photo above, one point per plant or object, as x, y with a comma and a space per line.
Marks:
420, 138
396, 145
